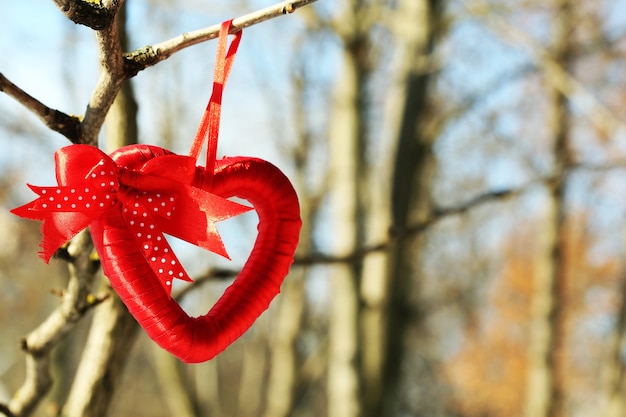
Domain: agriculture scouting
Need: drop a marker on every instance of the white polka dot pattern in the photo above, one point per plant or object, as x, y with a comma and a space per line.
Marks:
140, 210
140, 213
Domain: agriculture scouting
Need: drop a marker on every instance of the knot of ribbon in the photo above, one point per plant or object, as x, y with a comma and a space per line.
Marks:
153, 198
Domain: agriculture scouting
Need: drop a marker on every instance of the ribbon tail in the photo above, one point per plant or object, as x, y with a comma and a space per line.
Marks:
57, 228
28, 211
154, 247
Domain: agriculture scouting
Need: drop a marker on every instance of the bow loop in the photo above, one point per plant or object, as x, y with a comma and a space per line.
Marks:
163, 173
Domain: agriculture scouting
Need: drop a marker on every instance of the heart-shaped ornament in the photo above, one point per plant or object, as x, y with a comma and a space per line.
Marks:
131, 198
200, 338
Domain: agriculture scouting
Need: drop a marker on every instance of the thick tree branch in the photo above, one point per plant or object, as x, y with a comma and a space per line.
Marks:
113, 330
68, 126
37, 345
94, 14
147, 56
4, 410
109, 83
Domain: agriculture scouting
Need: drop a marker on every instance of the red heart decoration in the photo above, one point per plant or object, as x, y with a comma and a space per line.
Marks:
197, 339
131, 198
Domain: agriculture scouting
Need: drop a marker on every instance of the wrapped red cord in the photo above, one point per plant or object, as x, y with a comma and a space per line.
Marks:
199, 339
132, 197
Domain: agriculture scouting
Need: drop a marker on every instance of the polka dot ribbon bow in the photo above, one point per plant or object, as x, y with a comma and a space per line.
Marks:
157, 198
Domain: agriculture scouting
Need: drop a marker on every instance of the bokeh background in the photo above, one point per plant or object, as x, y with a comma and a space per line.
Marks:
462, 172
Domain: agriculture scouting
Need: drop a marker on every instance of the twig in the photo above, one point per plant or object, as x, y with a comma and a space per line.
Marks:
396, 236
210, 275
68, 126
147, 56
439, 214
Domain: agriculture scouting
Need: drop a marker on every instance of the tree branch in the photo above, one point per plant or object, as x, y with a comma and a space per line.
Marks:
110, 81
94, 14
68, 126
147, 56
396, 236
439, 214
117, 67
113, 329
37, 345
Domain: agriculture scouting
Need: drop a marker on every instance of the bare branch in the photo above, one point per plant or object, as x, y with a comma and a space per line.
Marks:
210, 275
109, 83
396, 236
37, 345
94, 14
110, 339
147, 56
439, 214
117, 67
68, 126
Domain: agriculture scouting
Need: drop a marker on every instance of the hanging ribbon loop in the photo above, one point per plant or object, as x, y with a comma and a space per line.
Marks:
210, 123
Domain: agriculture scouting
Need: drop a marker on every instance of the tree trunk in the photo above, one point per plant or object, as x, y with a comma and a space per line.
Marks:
614, 371
410, 195
343, 379
110, 339
545, 381
173, 389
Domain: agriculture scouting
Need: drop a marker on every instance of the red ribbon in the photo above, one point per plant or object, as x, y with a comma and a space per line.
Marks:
210, 124
153, 199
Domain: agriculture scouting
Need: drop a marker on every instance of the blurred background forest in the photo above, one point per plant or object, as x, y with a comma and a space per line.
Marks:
461, 167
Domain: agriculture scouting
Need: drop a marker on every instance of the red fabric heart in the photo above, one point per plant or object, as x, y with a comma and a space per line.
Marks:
141, 191
199, 339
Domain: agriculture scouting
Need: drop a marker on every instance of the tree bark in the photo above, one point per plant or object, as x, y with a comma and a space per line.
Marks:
173, 390
108, 345
283, 374
410, 195
545, 381
343, 379
614, 371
